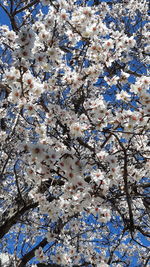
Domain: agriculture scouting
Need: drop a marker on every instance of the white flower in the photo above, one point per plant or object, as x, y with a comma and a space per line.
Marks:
40, 58
11, 75
37, 151
76, 129
112, 160
45, 2
111, 81
50, 237
30, 109
147, 49
63, 15
28, 80
104, 215
97, 176
103, 264
15, 95
123, 77
109, 44
66, 259
25, 53
86, 33
41, 130
37, 89
124, 96
130, 42
40, 255
11, 35
31, 173
44, 35
4, 259
53, 155
145, 81
136, 88
53, 53
57, 258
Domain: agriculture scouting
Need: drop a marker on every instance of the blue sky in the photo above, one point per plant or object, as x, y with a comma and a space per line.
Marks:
4, 20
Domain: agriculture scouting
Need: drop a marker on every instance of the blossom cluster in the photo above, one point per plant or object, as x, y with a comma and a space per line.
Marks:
76, 143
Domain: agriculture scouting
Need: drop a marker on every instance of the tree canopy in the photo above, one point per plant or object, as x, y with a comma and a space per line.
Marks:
74, 133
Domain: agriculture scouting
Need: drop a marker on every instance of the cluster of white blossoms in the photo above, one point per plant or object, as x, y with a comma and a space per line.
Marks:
40, 254
76, 142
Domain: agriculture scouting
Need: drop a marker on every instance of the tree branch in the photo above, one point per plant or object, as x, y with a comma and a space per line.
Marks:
125, 178
27, 257
25, 7
4, 229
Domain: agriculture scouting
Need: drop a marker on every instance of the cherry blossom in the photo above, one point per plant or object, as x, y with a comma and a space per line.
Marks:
74, 139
